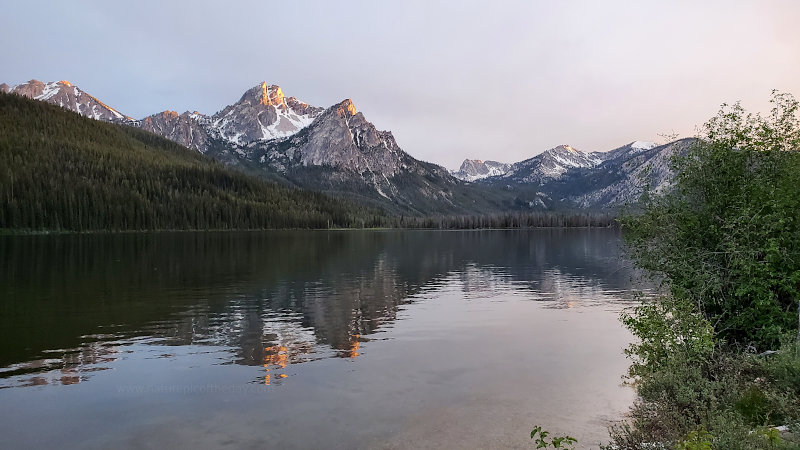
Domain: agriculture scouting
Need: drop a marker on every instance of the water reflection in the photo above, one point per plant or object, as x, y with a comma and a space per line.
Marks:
73, 304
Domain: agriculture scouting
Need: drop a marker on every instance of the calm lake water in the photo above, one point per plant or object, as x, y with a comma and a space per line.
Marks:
351, 339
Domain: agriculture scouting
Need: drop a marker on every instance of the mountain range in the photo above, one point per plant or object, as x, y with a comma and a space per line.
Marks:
336, 150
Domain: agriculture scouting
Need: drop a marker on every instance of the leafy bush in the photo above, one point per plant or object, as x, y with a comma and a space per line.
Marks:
726, 242
539, 437
727, 237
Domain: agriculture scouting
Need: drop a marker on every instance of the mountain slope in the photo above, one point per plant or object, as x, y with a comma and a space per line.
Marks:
65, 172
65, 95
622, 178
191, 130
550, 164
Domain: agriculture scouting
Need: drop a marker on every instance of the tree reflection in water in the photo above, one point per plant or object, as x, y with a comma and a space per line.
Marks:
72, 303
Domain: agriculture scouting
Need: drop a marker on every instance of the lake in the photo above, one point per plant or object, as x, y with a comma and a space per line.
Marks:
312, 339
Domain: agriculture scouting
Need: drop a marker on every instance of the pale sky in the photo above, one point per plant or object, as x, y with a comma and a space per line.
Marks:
494, 80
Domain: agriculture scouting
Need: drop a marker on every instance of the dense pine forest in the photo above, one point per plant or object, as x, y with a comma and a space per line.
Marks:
537, 219
62, 171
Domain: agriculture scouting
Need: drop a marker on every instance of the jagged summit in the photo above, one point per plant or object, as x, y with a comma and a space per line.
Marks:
346, 107
264, 94
263, 113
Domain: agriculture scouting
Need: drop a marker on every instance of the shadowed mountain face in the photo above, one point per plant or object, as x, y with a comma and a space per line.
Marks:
318, 291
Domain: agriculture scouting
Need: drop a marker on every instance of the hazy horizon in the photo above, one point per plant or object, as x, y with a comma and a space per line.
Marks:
450, 80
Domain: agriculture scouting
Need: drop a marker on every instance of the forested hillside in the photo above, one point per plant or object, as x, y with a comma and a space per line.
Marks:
61, 171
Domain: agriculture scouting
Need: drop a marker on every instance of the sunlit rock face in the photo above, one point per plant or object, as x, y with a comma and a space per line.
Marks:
263, 113
475, 169
65, 95
4, 87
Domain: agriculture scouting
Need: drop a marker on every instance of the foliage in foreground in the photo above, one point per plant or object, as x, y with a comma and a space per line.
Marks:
727, 237
726, 242
540, 438
695, 394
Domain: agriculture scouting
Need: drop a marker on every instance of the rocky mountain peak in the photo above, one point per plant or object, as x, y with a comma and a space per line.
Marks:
272, 95
4, 87
565, 148
346, 108
470, 166
265, 95
263, 112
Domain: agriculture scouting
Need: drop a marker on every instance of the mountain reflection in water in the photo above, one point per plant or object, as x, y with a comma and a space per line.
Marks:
73, 303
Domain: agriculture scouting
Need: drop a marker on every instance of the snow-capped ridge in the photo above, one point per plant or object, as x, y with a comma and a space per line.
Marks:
68, 96
642, 145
